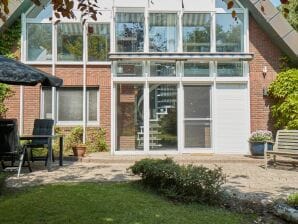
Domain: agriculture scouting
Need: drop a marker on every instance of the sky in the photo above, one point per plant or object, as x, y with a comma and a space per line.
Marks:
275, 2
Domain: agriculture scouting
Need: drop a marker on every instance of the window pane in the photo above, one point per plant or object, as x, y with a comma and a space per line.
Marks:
196, 69
162, 68
70, 42
163, 117
98, 42
129, 69
229, 33
197, 101
47, 103
129, 32
92, 104
197, 134
196, 32
70, 106
229, 69
130, 117
163, 32
39, 42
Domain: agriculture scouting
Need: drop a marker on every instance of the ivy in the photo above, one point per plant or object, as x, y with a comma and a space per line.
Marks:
284, 92
9, 39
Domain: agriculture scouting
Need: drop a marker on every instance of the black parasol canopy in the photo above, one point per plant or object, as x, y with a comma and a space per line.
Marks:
16, 73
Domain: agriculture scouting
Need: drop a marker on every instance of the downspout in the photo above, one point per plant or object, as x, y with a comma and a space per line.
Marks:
84, 84
23, 41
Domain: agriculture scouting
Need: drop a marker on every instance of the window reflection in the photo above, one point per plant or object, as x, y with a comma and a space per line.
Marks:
129, 32
70, 42
98, 42
163, 32
229, 33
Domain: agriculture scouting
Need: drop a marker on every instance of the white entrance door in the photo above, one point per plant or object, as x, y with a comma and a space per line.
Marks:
232, 119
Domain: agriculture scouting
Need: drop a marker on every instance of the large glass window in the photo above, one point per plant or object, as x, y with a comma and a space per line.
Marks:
70, 42
129, 32
98, 42
163, 117
229, 33
70, 104
39, 42
196, 69
229, 69
130, 117
129, 68
197, 117
196, 32
161, 68
163, 32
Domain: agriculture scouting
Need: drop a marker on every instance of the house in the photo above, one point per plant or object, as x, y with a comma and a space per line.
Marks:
161, 76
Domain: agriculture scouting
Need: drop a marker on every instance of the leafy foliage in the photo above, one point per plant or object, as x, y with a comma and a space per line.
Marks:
284, 92
293, 199
183, 183
96, 141
290, 11
5, 92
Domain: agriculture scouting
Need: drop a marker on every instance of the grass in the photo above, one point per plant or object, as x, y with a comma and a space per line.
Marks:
104, 203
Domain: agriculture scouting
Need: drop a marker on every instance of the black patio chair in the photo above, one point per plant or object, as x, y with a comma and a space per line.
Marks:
41, 127
10, 148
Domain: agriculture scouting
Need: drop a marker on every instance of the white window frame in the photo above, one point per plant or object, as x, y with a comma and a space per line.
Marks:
73, 123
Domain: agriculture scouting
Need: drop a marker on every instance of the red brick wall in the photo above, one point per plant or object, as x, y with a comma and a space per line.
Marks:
72, 75
265, 54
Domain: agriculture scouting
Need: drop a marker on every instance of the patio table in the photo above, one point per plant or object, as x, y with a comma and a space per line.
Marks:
50, 148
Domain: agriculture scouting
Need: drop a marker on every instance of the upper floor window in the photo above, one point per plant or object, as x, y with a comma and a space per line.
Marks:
229, 33
129, 32
129, 68
196, 32
195, 69
70, 42
162, 68
98, 42
163, 32
229, 69
39, 42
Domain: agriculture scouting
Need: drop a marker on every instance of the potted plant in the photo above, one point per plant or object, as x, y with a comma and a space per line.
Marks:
76, 141
258, 140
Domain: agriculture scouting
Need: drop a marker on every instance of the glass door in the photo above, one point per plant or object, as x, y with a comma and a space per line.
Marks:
197, 117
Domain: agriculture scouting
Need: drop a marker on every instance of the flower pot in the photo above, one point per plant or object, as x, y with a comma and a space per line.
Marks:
258, 148
79, 151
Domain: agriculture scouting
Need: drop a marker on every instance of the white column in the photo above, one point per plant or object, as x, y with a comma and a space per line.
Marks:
146, 111
23, 59
213, 32
85, 53
54, 60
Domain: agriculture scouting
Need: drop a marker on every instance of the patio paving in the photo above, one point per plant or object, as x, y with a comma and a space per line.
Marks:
246, 177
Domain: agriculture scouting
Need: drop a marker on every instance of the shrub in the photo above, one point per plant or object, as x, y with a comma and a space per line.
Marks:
97, 140
284, 92
183, 183
261, 136
293, 199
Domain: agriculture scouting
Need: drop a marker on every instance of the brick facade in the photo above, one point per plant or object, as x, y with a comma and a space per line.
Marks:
265, 54
97, 76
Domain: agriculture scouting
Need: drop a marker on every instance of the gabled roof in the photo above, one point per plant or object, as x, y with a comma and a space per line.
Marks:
278, 28
272, 21
16, 8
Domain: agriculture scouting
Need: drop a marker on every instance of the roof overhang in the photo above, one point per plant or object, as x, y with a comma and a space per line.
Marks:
229, 56
277, 27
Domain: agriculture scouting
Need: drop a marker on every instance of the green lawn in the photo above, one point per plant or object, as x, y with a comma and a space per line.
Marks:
104, 203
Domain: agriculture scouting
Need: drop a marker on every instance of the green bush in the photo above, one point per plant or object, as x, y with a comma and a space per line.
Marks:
96, 141
183, 183
293, 199
284, 92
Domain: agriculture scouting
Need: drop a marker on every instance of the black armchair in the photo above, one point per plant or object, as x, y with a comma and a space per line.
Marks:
41, 127
10, 148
